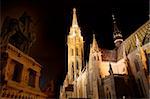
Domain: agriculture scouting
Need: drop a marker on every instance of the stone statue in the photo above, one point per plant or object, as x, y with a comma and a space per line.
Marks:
9, 28
18, 32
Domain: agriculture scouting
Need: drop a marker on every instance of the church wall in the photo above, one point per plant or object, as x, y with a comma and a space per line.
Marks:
138, 71
81, 85
96, 81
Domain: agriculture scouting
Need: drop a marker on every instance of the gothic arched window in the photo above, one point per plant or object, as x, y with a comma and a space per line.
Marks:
97, 58
72, 52
77, 52
72, 70
94, 58
77, 65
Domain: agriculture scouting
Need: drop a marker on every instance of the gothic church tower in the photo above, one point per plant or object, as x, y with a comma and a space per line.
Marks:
75, 50
116, 33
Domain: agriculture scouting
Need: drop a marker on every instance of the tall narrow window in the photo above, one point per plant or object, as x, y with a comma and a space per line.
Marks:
77, 52
32, 75
97, 58
17, 72
72, 52
94, 57
77, 64
72, 70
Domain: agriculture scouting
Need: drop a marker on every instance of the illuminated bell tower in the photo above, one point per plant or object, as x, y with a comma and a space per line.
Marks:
75, 49
116, 33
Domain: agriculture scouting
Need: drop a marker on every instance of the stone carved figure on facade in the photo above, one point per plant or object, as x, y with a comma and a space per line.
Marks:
9, 28
21, 26
25, 28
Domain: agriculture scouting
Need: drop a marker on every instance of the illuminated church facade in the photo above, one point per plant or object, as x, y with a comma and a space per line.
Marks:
111, 74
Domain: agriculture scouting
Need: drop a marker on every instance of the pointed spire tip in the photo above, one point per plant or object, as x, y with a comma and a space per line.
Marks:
74, 9
93, 36
74, 20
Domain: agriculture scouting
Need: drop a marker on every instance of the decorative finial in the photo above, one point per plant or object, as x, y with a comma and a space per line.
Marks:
74, 10
93, 36
94, 40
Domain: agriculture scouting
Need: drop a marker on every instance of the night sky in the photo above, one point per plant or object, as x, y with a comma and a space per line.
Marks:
52, 19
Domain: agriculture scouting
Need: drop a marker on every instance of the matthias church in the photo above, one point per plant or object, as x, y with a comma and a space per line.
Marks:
109, 74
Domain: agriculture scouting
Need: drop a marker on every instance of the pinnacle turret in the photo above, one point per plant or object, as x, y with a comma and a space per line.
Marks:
94, 44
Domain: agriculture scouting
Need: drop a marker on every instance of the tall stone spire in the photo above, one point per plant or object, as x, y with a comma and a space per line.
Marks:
116, 33
74, 20
75, 29
94, 45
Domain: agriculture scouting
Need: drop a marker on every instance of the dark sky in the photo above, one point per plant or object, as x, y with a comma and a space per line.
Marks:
52, 19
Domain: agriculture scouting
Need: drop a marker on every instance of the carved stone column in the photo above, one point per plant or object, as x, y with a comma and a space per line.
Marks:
37, 80
8, 70
25, 76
